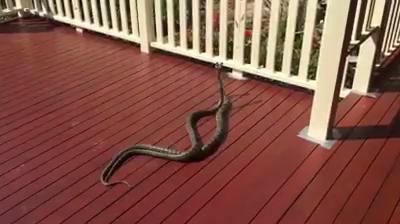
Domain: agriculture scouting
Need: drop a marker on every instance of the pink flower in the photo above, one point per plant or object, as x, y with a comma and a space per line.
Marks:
216, 20
248, 33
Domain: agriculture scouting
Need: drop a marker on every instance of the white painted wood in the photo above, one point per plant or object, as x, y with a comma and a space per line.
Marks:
60, 8
396, 31
223, 26
238, 36
114, 18
196, 25
389, 28
30, 4
361, 20
362, 25
290, 36
170, 22
124, 16
256, 37
183, 23
397, 34
369, 14
392, 32
358, 20
22, 5
86, 13
365, 64
159, 24
104, 15
44, 6
146, 22
51, 6
67, 6
308, 37
397, 21
95, 13
273, 34
134, 17
335, 40
209, 27
239, 28
7, 12
292, 80
77, 10
144, 25
369, 50
9, 4
346, 67
386, 43
36, 4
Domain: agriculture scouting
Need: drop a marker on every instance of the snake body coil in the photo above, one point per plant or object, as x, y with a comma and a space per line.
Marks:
198, 150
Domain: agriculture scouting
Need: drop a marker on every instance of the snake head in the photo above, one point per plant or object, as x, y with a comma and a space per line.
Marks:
218, 65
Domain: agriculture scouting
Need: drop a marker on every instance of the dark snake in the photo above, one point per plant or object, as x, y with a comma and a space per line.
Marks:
198, 151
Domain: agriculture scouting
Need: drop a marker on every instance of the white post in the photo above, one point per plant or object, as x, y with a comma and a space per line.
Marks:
238, 41
335, 40
22, 4
370, 49
19, 3
77, 10
146, 24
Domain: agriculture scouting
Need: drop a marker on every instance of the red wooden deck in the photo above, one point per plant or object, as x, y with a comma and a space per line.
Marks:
70, 102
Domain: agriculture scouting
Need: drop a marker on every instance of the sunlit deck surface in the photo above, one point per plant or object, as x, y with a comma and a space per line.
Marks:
70, 102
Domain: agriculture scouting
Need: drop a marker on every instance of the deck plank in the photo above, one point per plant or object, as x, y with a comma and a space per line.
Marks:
186, 173
278, 161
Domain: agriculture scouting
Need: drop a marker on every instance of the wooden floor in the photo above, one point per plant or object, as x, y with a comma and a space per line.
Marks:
70, 102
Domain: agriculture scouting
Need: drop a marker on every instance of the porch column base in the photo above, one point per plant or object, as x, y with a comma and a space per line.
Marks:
79, 30
366, 94
237, 75
326, 144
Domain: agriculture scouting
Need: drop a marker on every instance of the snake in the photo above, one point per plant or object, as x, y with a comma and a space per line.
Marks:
198, 150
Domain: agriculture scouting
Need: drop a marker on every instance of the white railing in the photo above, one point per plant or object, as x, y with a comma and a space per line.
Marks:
391, 33
383, 18
381, 39
276, 39
8, 7
118, 18
272, 39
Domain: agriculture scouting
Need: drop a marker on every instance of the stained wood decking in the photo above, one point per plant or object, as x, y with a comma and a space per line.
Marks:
69, 102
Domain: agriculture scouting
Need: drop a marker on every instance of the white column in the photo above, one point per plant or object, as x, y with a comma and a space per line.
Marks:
335, 40
146, 24
238, 36
370, 49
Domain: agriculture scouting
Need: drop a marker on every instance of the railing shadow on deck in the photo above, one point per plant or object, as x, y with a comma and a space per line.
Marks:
391, 130
388, 82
